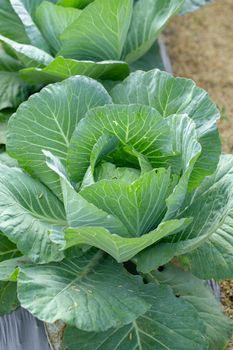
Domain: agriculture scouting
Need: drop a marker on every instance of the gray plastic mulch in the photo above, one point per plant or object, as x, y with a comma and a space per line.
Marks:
19, 330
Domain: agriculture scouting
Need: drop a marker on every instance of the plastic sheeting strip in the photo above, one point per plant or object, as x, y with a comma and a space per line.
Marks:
20, 330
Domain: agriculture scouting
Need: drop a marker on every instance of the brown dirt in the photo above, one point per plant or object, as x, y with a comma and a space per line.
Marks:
227, 301
200, 46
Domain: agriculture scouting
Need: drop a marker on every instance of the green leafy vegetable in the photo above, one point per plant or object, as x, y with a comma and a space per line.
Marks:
82, 40
195, 293
33, 33
28, 212
114, 185
148, 19
11, 25
61, 68
176, 96
78, 294
58, 121
53, 20
156, 329
51, 41
13, 90
209, 205
217, 251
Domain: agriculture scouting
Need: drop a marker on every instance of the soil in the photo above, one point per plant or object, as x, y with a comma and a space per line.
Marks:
200, 46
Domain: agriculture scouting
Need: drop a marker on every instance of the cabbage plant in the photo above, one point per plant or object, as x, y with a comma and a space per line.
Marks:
114, 206
48, 41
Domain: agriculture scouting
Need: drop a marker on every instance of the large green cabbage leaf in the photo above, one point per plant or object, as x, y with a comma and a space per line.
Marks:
216, 251
8, 290
171, 323
210, 206
91, 292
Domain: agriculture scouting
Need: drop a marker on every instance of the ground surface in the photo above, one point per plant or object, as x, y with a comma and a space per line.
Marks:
200, 46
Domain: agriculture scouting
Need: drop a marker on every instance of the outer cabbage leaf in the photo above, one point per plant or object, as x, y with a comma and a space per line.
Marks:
10, 259
214, 258
31, 5
91, 292
209, 207
47, 121
8, 249
99, 37
4, 117
9, 269
5, 159
8, 297
28, 55
151, 60
62, 68
13, 90
170, 324
11, 25
170, 96
148, 19
210, 203
8, 63
28, 211
121, 248
218, 327
53, 20
33, 33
